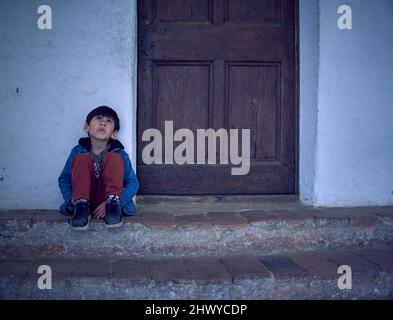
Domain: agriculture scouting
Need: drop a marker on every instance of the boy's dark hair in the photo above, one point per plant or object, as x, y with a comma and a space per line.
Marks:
106, 112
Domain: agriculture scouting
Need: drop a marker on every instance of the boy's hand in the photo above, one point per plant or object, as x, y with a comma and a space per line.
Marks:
100, 211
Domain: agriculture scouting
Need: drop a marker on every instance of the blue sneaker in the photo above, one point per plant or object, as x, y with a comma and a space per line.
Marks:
80, 219
113, 215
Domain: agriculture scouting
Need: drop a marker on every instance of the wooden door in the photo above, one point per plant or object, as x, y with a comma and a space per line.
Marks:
219, 64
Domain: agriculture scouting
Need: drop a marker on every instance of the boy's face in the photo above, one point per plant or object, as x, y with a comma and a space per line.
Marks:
101, 128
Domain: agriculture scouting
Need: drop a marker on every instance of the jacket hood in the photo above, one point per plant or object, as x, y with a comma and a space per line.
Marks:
114, 144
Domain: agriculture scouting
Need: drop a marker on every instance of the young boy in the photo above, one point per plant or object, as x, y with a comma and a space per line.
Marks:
98, 178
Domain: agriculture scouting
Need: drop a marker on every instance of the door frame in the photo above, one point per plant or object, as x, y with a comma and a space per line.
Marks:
297, 91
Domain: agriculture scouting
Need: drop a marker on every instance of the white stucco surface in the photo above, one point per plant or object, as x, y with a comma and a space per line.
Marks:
354, 157
88, 59
308, 106
50, 80
346, 136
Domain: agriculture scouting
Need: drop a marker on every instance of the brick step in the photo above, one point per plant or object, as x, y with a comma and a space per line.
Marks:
293, 276
42, 233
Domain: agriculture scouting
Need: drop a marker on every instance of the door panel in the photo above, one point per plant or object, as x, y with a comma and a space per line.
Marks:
219, 64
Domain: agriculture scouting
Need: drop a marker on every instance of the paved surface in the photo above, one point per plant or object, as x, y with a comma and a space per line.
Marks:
202, 248
299, 276
42, 233
188, 205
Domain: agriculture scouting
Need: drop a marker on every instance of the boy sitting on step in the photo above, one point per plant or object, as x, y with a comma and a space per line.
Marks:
98, 178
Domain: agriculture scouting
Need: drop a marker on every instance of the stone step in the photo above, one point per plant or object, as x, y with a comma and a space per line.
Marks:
292, 276
32, 233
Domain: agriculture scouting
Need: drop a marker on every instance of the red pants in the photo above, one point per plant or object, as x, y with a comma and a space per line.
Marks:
87, 186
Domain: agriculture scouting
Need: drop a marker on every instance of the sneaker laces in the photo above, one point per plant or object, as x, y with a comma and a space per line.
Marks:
113, 198
112, 202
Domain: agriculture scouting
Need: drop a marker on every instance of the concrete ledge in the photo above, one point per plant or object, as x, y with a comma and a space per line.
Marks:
299, 276
41, 233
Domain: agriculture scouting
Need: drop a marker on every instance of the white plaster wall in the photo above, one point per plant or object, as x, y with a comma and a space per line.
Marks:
309, 68
354, 145
88, 59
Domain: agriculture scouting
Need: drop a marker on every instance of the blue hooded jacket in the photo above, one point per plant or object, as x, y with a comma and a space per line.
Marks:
130, 184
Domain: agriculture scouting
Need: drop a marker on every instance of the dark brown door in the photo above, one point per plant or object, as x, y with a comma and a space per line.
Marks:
219, 64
